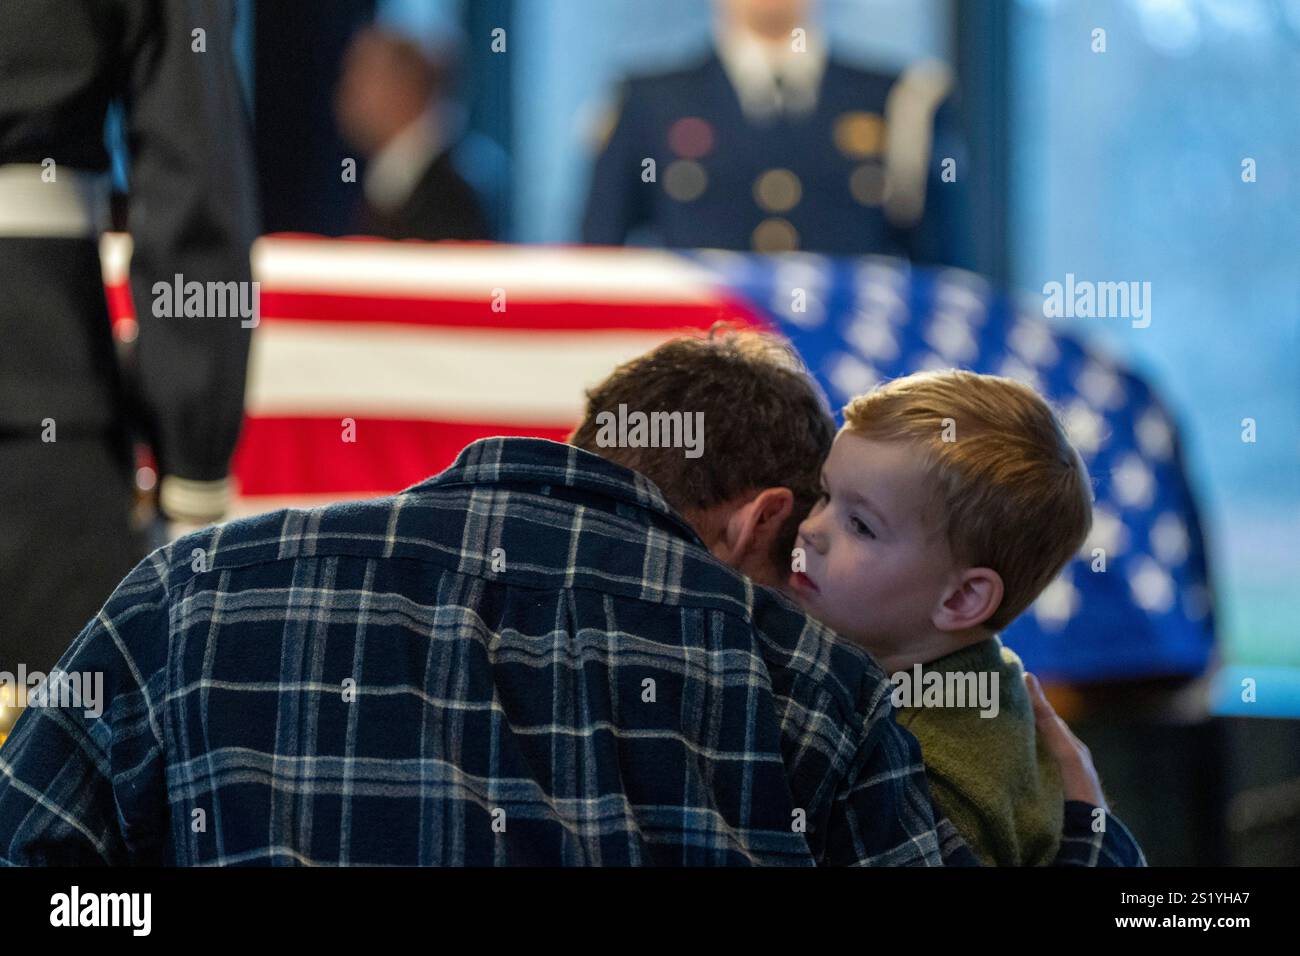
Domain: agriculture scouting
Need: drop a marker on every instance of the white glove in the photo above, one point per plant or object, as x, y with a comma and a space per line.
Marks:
189, 505
197, 502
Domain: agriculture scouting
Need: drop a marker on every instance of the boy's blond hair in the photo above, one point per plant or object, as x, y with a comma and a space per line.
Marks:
1011, 492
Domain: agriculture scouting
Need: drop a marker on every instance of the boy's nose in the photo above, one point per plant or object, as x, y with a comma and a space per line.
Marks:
814, 539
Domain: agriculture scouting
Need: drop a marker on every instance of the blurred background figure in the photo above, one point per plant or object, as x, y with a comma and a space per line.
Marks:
771, 142
393, 106
68, 412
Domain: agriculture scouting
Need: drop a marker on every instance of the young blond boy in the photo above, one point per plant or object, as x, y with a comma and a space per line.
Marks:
950, 500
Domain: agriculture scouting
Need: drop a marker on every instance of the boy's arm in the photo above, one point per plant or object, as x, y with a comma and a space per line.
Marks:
80, 788
883, 814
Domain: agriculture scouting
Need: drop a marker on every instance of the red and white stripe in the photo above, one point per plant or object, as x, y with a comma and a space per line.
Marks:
403, 339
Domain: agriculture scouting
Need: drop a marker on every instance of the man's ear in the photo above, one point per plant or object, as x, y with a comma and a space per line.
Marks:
970, 602
752, 529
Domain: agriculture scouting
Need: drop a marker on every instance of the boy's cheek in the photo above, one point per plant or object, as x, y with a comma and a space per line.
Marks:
850, 600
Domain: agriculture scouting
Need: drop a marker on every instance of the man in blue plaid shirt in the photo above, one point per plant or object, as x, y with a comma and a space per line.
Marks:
547, 654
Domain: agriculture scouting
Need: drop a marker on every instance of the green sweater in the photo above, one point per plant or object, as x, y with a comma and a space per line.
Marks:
990, 776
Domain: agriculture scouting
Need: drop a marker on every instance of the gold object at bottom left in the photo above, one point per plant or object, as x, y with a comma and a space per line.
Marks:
9, 709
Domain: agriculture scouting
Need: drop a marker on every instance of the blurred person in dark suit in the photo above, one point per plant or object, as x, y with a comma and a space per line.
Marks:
392, 105
68, 411
770, 142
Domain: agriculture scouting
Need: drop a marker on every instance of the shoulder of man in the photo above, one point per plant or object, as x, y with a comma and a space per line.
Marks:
651, 90
841, 70
359, 528
680, 76
840, 691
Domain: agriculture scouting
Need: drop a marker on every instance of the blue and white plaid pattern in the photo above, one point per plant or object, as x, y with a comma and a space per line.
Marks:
527, 659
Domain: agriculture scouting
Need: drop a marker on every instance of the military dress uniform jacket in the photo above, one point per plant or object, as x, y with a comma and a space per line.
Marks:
857, 174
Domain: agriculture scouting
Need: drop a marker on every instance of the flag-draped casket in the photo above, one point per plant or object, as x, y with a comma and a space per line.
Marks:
374, 363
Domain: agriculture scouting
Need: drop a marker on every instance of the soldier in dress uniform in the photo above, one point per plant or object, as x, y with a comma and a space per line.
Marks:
67, 410
771, 143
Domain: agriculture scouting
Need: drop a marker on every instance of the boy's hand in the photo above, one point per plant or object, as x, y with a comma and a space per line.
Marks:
1078, 776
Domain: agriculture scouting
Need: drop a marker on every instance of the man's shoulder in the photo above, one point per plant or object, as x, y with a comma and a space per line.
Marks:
814, 666
360, 527
677, 74
807, 662
363, 529
842, 69
538, 539
668, 87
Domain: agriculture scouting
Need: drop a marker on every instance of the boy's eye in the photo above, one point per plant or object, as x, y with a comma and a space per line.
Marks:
860, 527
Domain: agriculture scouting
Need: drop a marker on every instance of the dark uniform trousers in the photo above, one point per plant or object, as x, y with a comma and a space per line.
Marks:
65, 532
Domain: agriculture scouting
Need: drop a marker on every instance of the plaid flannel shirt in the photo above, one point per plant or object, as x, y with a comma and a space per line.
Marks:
528, 658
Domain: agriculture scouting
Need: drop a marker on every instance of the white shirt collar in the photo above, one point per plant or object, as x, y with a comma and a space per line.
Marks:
751, 65
393, 172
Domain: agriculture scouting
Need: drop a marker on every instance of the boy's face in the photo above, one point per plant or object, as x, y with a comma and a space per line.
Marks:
877, 567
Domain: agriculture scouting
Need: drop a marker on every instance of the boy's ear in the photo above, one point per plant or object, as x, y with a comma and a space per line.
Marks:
972, 601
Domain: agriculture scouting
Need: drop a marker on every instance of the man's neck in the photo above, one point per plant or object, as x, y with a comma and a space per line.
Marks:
773, 38
753, 64
775, 41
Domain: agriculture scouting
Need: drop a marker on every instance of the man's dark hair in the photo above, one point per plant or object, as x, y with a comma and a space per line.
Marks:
766, 422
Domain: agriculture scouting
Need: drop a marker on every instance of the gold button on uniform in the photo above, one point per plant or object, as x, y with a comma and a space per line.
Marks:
867, 184
685, 180
777, 190
859, 135
775, 235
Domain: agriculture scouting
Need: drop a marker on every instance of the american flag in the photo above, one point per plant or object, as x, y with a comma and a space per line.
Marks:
376, 362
